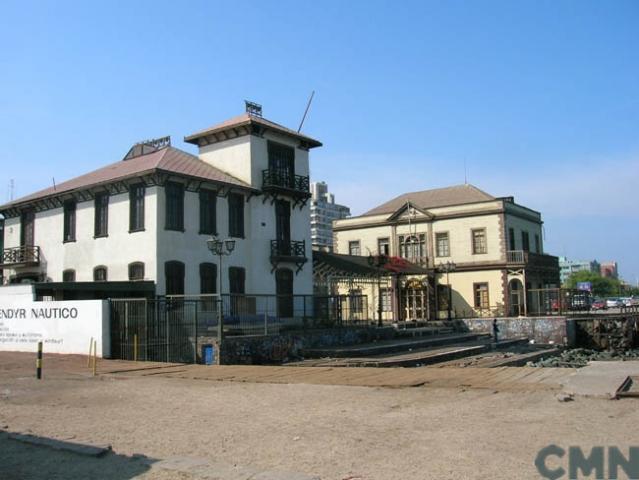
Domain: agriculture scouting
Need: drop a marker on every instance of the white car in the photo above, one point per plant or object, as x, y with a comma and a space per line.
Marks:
614, 303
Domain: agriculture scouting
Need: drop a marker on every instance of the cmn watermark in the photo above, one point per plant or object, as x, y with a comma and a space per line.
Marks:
554, 462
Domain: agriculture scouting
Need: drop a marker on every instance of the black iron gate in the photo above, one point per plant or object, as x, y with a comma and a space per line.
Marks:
162, 330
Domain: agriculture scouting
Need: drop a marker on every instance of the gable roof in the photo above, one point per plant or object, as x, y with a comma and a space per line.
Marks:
438, 197
246, 120
168, 160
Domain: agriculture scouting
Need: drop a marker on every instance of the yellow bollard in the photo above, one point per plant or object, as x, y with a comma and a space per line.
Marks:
135, 347
89, 356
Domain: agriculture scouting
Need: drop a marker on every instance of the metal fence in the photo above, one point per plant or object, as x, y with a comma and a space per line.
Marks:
174, 329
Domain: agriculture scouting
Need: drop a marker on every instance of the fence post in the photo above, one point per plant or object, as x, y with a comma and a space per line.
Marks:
196, 306
220, 321
39, 362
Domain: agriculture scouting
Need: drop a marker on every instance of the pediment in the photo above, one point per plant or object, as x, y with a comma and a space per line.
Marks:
410, 211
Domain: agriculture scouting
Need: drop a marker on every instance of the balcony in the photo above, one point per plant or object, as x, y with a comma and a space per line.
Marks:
283, 182
288, 251
24, 256
530, 259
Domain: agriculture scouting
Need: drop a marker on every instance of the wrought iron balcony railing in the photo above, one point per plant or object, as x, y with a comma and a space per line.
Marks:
288, 249
20, 256
522, 257
284, 180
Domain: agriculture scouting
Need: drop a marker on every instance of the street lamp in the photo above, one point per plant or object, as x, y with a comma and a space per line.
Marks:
448, 267
220, 248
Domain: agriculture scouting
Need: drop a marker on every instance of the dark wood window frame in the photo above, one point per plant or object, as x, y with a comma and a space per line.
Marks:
136, 271
477, 300
174, 206
137, 195
237, 280
101, 215
479, 248
236, 215
100, 273
68, 275
525, 241
438, 252
208, 212
208, 278
69, 221
174, 276
381, 243
354, 247
512, 241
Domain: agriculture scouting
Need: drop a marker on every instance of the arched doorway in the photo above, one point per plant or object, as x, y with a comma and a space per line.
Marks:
414, 300
284, 290
516, 297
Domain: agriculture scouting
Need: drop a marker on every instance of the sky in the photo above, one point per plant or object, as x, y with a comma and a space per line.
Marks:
534, 99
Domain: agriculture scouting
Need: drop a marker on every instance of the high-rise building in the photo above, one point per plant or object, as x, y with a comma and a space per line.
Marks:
568, 267
609, 270
323, 211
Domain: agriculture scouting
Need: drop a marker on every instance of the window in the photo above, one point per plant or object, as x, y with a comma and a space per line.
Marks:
355, 301
479, 241
537, 244
383, 246
136, 271
208, 217
481, 295
69, 221
100, 274
442, 245
353, 247
101, 224
236, 215
174, 206
174, 277
413, 247
386, 299
281, 161
208, 277
525, 242
237, 277
68, 276
136, 208
511, 239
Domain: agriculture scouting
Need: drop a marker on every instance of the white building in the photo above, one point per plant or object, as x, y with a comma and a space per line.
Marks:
140, 225
323, 211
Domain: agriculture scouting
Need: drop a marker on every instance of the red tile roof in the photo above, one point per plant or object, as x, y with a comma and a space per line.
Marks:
169, 160
244, 120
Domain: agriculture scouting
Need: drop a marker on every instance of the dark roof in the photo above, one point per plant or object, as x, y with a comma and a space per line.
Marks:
439, 197
168, 159
363, 266
246, 120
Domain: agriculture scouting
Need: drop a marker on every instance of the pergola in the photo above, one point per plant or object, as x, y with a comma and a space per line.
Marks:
333, 272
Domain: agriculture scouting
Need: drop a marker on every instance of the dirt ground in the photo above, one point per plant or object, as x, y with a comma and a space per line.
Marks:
336, 432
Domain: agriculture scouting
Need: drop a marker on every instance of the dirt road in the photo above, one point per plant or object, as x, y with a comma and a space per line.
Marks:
332, 431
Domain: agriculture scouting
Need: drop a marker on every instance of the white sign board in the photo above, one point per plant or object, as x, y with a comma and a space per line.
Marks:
62, 327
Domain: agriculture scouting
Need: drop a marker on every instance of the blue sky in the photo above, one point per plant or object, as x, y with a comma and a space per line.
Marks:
539, 99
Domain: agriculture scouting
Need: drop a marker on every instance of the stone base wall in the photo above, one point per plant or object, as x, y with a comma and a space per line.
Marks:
276, 349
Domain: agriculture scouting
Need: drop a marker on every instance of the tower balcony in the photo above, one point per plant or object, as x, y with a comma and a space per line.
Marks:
283, 182
291, 251
523, 258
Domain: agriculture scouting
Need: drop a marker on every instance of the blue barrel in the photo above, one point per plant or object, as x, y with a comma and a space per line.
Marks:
208, 354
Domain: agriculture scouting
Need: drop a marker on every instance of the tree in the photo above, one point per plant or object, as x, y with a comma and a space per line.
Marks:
601, 286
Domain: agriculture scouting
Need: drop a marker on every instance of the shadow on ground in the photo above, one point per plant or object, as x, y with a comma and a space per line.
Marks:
25, 461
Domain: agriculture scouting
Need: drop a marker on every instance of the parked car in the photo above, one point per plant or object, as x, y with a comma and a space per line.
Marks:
598, 305
614, 303
627, 301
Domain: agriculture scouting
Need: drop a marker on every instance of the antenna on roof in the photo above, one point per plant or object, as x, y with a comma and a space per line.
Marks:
11, 189
253, 108
465, 177
308, 105
53, 178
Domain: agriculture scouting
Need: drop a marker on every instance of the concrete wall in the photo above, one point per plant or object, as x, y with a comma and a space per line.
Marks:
275, 349
63, 327
542, 330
